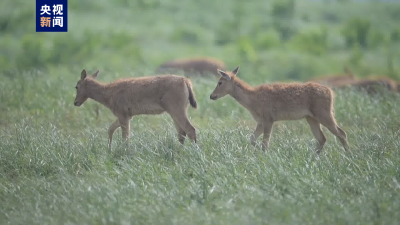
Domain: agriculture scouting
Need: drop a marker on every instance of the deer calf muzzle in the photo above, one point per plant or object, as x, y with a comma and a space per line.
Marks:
213, 97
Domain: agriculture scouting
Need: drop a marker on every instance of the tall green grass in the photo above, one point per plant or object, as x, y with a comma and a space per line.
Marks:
55, 167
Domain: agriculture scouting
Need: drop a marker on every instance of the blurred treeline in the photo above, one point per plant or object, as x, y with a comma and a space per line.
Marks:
269, 39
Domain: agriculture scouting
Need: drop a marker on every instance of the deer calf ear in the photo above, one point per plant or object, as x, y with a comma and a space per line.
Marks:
235, 71
83, 74
95, 74
224, 75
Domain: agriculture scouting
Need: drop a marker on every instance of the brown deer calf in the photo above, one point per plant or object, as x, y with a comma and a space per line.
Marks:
268, 103
189, 66
335, 80
372, 85
144, 95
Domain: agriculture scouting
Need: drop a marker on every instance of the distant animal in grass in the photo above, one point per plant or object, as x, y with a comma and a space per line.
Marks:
334, 80
372, 85
143, 95
192, 66
269, 103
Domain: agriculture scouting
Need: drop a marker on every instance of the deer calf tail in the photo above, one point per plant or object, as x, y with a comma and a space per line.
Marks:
192, 98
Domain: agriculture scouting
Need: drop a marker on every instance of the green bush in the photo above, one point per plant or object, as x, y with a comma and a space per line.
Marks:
305, 17
239, 12
355, 31
8, 48
32, 53
16, 17
228, 31
283, 8
185, 35
376, 39
87, 6
119, 40
390, 66
297, 68
268, 39
41, 50
67, 48
395, 35
330, 17
313, 41
283, 12
286, 29
246, 50
394, 11
357, 55
148, 4
224, 34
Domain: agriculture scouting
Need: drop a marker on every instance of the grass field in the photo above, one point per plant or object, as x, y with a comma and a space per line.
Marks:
54, 163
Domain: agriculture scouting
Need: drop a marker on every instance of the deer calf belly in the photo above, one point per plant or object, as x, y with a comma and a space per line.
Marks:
148, 109
294, 114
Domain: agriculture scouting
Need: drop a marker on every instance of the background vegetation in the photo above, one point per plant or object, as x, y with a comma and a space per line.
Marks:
54, 167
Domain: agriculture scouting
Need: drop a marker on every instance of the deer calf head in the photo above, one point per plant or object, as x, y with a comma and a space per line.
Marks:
81, 87
225, 84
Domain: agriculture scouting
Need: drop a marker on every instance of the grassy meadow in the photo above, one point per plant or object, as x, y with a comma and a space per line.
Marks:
54, 163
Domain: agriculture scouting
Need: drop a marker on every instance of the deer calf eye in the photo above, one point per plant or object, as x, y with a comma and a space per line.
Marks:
76, 87
219, 83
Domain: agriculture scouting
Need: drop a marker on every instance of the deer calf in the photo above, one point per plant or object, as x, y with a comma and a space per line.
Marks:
372, 85
144, 95
336, 80
268, 103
